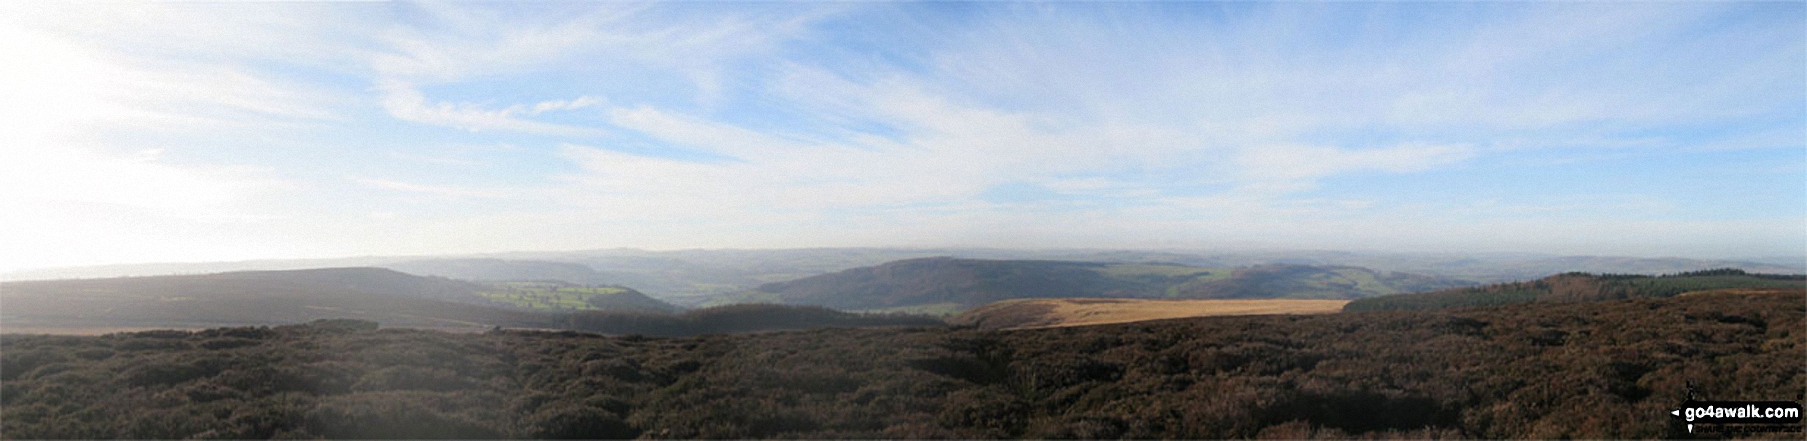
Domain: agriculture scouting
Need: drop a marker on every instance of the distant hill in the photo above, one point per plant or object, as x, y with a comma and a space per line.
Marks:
945, 284
734, 319
1623, 265
713, 276
541, 285
189, 268
940, 280
388, 297
1493, 268
1310, 282
252, 297
1573, 287
501, 270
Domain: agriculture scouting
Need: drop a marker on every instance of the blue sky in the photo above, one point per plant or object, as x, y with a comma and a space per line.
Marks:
210, 131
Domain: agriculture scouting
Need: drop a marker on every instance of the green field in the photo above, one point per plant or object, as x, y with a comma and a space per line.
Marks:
550, 296
1140, 270
744, 298
1365, 281
948, 309
1164, 274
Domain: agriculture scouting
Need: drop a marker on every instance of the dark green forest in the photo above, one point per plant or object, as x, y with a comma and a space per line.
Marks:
1578, 287
1608, 369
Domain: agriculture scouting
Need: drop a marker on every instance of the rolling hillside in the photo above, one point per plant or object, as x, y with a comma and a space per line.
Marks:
942, 281
262, 298
944, 284
699, 277
500, 270
1309, 282
252, 297
1574, 287
735, 319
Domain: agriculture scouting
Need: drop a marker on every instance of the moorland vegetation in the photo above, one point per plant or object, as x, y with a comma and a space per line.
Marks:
1604, 369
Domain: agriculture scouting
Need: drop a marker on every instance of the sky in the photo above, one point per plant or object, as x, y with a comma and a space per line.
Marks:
151, 132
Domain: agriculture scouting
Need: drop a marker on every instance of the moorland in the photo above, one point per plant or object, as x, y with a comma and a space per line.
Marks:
1596, 369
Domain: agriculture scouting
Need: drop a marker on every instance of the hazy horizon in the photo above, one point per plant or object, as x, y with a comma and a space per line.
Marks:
198, 132
571, 255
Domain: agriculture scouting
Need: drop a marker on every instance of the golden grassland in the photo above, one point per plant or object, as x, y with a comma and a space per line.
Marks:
1053, 313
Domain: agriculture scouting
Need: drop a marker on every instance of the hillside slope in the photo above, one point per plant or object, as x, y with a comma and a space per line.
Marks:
735, 319
251, 297
263, 298
1310, 282
501, 270
1575, 287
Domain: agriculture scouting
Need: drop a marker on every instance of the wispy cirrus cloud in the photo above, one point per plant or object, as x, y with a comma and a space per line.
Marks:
407, 104
786, 124
459, 46
443, 191
1295, 167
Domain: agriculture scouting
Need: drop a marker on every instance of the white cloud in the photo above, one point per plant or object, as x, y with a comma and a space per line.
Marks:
310, 34
69, 175
436, 160
716, 137
69, 205
443, 191
466, 44
1786, 138
57, 89
891, 128
1298, 164
582, 102
404, 102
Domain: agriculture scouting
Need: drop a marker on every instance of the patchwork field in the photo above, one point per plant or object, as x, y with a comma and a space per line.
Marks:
559, 296
1052, 313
